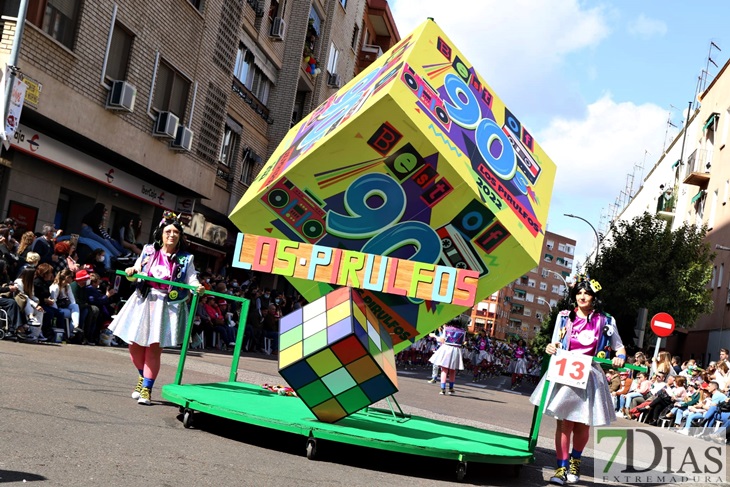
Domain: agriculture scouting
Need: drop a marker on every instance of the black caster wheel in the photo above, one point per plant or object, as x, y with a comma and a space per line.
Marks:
311, 449
461, 471
181, 410
2, 334
188, 418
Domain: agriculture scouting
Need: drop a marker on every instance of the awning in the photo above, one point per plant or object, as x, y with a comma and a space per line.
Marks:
548, 256
698, 195
204, 249
711, 121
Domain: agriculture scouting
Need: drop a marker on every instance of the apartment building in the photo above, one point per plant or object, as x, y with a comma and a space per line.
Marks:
172, 104
517, 310
690, 183
539, 290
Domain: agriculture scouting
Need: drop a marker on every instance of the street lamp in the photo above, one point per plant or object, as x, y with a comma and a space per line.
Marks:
543, 301
562, 278
598, 241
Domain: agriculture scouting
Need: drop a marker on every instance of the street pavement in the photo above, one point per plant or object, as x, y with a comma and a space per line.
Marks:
68, 420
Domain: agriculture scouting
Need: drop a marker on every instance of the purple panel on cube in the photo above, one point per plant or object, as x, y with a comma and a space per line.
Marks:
339, 330
289, 321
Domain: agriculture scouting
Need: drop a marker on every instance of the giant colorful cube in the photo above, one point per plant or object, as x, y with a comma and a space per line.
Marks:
417, 159
336, 356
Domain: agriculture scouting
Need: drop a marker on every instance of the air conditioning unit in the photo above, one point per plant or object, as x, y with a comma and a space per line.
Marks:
122, 96
166, 125
277, 28
334, 80
183, 140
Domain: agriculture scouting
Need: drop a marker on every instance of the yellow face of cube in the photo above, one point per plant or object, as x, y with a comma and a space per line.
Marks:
415, 159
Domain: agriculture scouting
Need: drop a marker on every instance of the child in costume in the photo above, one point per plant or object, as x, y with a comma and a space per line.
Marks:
449, 354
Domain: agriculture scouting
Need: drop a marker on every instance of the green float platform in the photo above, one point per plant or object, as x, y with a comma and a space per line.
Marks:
371, 428
384, 429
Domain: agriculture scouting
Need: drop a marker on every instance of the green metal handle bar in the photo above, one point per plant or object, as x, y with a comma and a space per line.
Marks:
606, 361
191, 315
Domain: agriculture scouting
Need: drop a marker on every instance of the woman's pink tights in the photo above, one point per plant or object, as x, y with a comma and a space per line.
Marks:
146, 359
563, 431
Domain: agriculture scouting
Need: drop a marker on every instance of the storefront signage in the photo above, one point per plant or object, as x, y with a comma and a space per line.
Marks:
50, 150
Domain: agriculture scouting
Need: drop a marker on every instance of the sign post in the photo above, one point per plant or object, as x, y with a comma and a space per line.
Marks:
662, 324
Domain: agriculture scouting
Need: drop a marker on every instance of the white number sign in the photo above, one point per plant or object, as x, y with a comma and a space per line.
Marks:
570, 368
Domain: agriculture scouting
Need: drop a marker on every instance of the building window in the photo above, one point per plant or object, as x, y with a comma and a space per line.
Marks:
274, 9
229, 146
198, 4
355, 35
343, 3
332, 60
171, 91
719, 275
57, 18
543, 286
550, 244
119, 51
244, 63
246, 71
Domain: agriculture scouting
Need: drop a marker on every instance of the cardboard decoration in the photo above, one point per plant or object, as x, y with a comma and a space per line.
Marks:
417, 159
336, 355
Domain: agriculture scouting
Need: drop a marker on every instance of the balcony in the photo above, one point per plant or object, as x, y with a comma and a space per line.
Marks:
666, 205
697, 172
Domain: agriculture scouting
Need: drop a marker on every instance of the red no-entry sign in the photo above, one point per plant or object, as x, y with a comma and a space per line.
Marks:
662, 324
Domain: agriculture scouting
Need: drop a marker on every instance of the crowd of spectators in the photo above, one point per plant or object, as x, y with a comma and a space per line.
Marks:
676, 394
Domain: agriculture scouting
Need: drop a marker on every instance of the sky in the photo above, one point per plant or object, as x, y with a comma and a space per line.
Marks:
602, 86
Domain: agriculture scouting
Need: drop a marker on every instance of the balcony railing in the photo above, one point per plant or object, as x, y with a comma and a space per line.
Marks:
697, 172
373, 48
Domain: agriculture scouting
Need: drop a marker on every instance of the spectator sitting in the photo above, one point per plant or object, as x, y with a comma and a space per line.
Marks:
60, 258
664, 398
72, 260
640, 393
677, 364
25, 245
17, 322
722, 376
31, 260
64, 299
128, 235
44, 276
626, 382
271, 327
100, 299
7, 250
88, 313
690, 398
228, 322
92, 227
95, 263
218, 321
32, 308
705, 408
43, 245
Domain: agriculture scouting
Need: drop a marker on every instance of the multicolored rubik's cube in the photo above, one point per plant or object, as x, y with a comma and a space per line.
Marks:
336, 356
